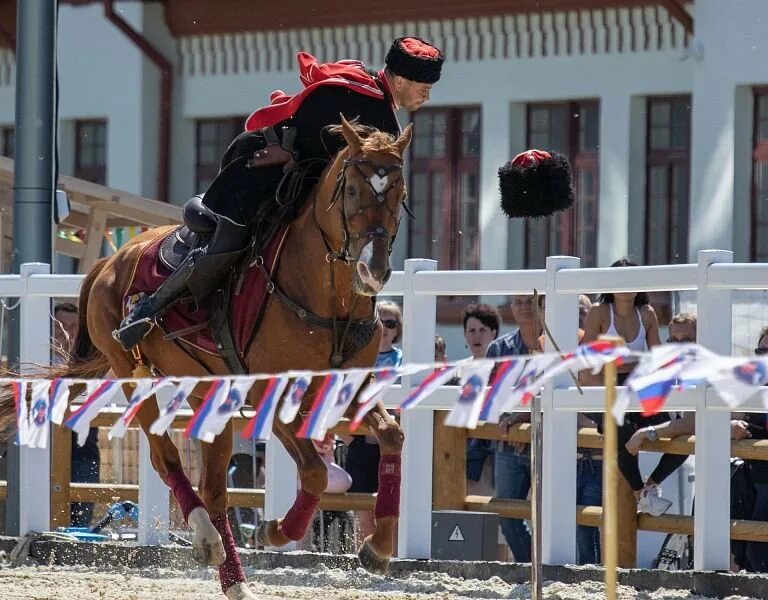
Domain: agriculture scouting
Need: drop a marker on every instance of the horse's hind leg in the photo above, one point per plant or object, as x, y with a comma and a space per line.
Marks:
313, 475
377, 549
213, 488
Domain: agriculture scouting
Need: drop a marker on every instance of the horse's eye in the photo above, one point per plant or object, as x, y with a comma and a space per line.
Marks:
351, 191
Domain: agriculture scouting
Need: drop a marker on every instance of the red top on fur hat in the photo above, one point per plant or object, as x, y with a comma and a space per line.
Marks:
416, 47
530, 157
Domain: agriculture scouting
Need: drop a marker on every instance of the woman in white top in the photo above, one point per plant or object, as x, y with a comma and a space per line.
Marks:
630, 315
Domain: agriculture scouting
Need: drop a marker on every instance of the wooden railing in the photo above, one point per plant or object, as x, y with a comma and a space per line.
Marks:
449, 489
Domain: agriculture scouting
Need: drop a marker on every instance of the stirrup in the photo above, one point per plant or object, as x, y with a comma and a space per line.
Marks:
127, 344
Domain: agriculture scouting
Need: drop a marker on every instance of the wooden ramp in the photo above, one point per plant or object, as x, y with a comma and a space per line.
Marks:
93, 208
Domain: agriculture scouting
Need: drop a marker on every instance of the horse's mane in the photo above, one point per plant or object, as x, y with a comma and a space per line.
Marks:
374, 140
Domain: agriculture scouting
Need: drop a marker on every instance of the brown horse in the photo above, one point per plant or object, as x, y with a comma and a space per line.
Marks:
336, 253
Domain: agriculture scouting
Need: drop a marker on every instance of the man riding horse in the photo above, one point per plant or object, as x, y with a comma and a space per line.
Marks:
270, 169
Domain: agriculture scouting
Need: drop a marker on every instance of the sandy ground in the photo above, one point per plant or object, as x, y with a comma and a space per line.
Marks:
38, 583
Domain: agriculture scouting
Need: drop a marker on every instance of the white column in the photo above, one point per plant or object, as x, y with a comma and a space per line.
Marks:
559, 462
154, 497
613, 205
711, 526
281, 483
415, 526
34, 349
494, 152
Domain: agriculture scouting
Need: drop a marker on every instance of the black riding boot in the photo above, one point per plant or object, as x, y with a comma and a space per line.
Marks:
200, 274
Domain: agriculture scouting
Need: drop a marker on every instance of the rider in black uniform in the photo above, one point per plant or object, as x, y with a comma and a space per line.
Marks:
245, 191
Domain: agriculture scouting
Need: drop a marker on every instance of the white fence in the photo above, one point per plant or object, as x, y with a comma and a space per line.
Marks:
713, 278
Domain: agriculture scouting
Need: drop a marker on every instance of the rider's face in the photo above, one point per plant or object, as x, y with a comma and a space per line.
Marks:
410, 95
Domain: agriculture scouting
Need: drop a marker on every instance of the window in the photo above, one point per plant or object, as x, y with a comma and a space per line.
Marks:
760, 179
573, 129
445, 187
91, 151
7, 141
212, 139
668, 141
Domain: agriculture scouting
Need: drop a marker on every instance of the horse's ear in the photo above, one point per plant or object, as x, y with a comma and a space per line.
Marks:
350, 135
405, 139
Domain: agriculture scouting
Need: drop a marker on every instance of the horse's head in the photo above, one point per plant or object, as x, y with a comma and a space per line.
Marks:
364, 212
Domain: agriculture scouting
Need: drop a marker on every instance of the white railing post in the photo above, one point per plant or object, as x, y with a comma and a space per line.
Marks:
34, 349
560, 428
154, 495
281, 483
419, 315
711, 529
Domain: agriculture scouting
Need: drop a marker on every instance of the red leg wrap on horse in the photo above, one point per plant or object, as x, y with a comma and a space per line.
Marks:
297, 520
182, 490
388, 500
230, 571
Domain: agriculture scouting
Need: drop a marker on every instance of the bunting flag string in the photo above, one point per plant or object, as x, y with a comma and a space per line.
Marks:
515, 381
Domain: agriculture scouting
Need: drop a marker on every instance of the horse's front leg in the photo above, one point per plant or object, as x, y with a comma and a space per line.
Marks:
213, 489
378, 548
313, 476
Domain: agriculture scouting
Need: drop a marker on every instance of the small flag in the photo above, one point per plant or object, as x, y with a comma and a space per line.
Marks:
313, 425
143, 390
99, 395
294, 396
260, 425
39, 415
59, 392
168, 412
507, 374
202, 423
471, 395
652, 390
530, 381
349, 388
429, 384
19, 388
371, 394
734, 380
593, 356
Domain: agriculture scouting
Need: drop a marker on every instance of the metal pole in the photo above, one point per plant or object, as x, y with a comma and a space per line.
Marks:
34, 172
610, 483
536, 454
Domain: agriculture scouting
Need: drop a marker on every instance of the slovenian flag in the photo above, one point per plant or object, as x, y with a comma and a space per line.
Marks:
19, 388
466, 411
370, 395
144, 389
39, 415
293, 398
168, 411
652, 390
507, 374
260, 425
530, 381
593, 356
349, 388
201, 424
99, 393
429, 384
59, 394
313, 425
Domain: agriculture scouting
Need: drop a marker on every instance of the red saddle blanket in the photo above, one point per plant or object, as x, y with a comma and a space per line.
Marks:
246, 306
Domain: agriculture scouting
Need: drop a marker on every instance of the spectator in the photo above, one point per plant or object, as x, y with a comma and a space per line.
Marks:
682, 329
85, 461
363, 455
440, 350
482, 323
481, 326
513, 461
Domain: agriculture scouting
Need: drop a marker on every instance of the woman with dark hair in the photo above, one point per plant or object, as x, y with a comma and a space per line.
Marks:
630, 316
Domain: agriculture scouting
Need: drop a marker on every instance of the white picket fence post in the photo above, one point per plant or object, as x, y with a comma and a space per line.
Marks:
415, 526
281, 483
558, 531
34, 349
711, 526
154, 495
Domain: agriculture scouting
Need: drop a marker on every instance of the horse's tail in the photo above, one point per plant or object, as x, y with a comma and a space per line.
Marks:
84, 362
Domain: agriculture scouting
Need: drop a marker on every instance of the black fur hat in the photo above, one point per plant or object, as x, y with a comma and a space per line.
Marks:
536, 184
415, 59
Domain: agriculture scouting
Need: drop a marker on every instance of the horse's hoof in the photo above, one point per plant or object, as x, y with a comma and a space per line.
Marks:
209, 555
371, 561
239, 591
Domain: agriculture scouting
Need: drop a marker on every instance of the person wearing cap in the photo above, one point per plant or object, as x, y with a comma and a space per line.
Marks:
269, 170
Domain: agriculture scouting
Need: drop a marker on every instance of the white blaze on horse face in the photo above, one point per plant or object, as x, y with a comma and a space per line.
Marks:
378, 183
369, 283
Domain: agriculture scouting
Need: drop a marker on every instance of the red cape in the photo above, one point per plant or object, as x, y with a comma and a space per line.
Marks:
347, 73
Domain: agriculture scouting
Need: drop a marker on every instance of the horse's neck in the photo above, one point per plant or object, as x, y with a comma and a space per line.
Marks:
304, 273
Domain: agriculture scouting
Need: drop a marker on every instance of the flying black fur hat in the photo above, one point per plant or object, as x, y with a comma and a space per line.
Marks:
536, 184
